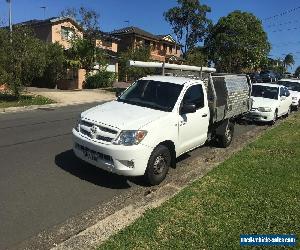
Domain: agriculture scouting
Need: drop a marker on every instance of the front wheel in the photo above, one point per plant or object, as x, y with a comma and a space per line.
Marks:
275, 116
158, 165
226, 139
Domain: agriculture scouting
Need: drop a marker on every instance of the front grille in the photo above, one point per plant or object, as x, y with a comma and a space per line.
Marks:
103, 133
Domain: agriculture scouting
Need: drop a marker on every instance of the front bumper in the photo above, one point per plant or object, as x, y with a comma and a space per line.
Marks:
119, 159
260, 116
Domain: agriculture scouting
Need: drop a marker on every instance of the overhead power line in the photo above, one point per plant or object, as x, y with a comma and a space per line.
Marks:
281, 24
281, 14
288, 29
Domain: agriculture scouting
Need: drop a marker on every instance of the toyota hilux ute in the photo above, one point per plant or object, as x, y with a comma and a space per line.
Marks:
157, 119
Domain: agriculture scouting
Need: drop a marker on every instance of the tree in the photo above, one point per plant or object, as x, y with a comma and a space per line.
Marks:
238, 43
54, 69
297, 72
22, 59
189, 22
197, 56
288, 60
85, 54
88, 19
131, 73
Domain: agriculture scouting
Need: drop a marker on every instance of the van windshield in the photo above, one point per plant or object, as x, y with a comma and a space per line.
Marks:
152, 94
264, 91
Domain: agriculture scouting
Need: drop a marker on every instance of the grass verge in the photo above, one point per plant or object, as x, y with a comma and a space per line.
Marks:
8, 100
256, 191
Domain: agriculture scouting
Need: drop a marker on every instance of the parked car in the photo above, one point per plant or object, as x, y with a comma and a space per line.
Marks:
157, 119
268, 76
294, 87
269, 101
255, 77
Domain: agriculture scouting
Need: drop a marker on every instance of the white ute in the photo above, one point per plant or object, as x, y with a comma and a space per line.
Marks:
159, 118
269, 101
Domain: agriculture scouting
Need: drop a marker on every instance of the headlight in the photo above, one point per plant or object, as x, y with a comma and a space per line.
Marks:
130, 137
77, 124
294, 98
264, 109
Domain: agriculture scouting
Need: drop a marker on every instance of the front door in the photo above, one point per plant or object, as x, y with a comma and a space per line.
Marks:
193, 127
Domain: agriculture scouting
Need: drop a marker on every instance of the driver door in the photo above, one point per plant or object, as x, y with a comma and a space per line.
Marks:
193, 127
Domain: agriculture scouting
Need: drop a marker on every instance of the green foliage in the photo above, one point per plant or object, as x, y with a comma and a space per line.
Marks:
54, 68
127, 73
297, 72
238, 43
101, 79
288, 60
22, 58
85, 54
87, 18
189, 22
7, 100
197, 56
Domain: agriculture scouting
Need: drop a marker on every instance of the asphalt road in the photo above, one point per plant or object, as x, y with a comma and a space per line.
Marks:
42, 184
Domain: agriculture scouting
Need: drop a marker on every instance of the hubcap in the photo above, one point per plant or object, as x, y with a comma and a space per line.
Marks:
228, 134
159, 164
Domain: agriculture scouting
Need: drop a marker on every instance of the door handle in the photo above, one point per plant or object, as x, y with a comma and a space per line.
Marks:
204, 115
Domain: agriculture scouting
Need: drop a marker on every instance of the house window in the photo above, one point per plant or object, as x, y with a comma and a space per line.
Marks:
67, 33
147, 43
107, 43
170, 48
165, 47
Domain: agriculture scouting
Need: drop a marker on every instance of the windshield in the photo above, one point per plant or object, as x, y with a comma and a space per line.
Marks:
294, 86
152, 94
264, 91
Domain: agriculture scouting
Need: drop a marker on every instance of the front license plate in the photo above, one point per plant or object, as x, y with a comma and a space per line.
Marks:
90, 155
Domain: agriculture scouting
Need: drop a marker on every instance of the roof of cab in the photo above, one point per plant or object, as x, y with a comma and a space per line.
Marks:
172, 79
289, 80
268, 85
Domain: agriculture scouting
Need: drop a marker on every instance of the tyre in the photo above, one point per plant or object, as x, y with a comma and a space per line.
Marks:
289, 111
225, 140
274, 118
158, 165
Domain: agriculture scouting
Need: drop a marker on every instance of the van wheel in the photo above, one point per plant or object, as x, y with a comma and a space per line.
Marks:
158, 165
289, 112
226, 139
275, 117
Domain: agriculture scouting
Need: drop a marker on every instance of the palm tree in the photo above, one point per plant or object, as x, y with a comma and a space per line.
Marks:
288, 60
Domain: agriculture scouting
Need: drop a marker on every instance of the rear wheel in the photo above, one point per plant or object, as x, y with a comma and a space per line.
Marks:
158, 165
226, 139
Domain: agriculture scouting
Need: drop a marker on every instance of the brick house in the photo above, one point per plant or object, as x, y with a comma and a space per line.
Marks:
63, 30
163, 48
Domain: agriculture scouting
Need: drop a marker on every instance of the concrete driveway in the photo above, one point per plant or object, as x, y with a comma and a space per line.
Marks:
73, 96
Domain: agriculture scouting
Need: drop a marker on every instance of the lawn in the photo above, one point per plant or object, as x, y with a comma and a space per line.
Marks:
256, 191
7, 100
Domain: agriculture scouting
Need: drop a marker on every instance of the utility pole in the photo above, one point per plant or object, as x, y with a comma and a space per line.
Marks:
10, 19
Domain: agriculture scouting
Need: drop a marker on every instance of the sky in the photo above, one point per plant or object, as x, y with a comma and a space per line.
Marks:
281, 19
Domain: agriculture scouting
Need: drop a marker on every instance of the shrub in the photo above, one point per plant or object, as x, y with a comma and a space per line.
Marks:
101, 79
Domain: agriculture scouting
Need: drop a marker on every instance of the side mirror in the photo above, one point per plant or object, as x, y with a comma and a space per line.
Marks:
282, 98
119, 92
188, 108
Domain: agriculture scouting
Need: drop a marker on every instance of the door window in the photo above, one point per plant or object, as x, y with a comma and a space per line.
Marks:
194, 95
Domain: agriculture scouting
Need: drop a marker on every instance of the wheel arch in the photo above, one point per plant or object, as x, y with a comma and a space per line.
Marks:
171, 146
